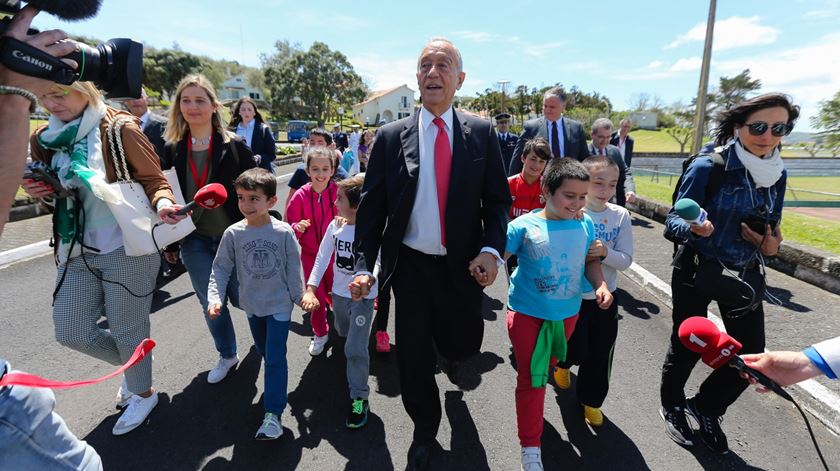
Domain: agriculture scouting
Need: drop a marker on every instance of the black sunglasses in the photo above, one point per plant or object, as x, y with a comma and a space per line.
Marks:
777, 129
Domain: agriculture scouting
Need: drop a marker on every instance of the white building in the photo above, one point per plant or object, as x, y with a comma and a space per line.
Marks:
237, 87
644, 119
385, 105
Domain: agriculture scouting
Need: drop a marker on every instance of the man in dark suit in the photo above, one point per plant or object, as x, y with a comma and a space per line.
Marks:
151, 124
563, 134
623, 141
340, 138
435, 202
507, 140
625, 190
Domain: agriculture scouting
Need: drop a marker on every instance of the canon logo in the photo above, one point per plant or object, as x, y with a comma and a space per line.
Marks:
17, 54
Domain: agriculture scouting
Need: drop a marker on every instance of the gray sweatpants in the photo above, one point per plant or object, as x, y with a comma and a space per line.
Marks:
352, 320
84, 298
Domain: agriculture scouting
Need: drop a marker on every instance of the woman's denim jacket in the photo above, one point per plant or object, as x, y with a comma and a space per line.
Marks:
737, 199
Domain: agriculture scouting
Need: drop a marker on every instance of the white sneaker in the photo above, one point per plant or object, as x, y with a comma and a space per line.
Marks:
221, 369
316, 346
270, 428
135, 413
531, 458
123, 394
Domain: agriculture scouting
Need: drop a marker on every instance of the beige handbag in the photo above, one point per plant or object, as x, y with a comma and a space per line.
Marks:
143, 231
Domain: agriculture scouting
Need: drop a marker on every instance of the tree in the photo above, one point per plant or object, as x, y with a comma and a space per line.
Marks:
684, 135
164, 69
733, 90
313, 84
812, 148
828, 120
521, 102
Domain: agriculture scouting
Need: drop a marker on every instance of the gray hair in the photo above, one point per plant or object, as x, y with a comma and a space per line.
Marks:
602, 123
459, 63
555, 92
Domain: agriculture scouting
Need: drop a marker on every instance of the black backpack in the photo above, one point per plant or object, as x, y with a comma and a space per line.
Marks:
712, 187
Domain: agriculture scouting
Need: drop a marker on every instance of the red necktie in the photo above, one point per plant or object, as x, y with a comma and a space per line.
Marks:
443, 166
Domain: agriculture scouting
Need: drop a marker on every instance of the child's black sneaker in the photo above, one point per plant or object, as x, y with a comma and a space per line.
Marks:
358, 413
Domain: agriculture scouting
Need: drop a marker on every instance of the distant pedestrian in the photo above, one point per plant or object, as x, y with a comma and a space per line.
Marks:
507, 139
248, 122
624, 141
600, 134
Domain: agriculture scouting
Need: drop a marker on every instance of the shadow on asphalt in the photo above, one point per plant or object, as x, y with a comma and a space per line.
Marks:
785, 296
635, 307
641, 223
320, 404
489, 306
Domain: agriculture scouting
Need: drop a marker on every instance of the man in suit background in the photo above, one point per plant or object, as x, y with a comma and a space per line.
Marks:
623, 141
151, 124
340, 138
563, 134
435, 202
625, 191
507, 140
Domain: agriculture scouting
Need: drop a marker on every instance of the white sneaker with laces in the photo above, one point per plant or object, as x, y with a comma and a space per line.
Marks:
270, 428
220, 371
135, 413
123, 394
531, 458
316, 346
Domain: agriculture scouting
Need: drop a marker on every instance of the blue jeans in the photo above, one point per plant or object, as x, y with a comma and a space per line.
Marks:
270, 337
197, 253
33, 436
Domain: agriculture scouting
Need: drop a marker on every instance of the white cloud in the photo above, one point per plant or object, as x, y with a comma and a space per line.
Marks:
831, 10
475, 36
730, 33
686, 64
381, 72
808, 73
655, 65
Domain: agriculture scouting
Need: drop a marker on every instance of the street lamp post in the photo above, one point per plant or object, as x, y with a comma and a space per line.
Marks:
503, 83
341, 119
700, 110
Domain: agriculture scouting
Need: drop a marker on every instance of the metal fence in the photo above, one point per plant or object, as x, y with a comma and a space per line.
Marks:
794, 197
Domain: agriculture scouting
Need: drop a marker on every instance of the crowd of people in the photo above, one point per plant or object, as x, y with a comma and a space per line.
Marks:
386, 218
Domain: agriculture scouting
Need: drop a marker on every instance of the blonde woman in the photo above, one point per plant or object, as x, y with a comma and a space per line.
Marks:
95, 276
203, 151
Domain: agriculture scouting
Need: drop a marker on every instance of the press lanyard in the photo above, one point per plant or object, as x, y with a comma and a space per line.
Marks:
199, 183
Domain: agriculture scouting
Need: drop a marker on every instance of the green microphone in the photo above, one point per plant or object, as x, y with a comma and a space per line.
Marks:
690, 211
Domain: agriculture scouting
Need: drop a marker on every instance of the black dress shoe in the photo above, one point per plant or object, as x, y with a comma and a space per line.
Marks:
419, 456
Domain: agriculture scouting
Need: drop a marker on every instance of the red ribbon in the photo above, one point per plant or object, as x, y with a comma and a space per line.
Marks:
34, 381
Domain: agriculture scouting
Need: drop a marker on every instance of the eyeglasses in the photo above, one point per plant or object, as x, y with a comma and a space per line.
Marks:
777, 129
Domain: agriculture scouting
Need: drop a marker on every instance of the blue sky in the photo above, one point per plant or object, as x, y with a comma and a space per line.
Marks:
616, 48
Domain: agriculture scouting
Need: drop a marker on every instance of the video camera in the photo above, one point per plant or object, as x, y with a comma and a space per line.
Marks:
116, 66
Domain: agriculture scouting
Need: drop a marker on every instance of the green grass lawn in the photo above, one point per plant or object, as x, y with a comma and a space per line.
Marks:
798, 228
654, 141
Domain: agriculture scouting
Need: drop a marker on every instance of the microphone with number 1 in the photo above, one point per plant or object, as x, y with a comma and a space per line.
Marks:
716, 348
208, 197
690, 211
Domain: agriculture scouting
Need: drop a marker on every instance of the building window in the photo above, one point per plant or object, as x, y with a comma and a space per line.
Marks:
404, 102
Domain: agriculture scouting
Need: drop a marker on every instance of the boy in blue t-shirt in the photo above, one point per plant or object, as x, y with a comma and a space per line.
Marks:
546, 291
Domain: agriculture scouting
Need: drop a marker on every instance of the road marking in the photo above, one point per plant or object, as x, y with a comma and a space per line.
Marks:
828, 398
26, 252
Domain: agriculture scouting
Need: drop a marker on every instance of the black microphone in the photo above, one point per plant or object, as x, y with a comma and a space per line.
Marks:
68, 10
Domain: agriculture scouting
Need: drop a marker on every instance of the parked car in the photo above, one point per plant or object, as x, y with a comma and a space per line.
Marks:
297, 130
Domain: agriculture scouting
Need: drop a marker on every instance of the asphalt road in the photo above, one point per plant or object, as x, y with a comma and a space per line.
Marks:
203, 426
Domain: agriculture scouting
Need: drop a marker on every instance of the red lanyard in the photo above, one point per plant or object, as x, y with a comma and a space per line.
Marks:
199, 183
33, 381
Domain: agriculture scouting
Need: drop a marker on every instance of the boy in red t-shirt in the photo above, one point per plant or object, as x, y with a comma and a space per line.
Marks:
525, 187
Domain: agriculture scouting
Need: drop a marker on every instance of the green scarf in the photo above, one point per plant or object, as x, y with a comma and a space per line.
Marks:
551, 342
79, 163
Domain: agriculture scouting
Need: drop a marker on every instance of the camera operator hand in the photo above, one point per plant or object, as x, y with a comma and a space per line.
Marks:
53, 41
36, 189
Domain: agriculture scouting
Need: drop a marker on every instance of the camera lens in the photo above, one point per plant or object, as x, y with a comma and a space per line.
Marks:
115, 66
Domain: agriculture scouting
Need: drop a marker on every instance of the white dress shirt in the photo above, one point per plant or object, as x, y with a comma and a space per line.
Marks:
247, 131
144, 120
621, 144
559, 135
423, 231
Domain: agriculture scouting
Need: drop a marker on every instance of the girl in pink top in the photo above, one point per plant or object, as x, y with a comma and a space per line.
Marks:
309, 212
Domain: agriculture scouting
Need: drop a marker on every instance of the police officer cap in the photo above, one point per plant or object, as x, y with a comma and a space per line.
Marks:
502, 116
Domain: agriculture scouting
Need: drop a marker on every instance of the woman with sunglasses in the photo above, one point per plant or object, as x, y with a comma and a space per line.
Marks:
741, 185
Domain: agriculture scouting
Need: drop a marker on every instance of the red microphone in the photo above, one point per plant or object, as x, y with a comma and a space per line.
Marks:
716, 348
209, 197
